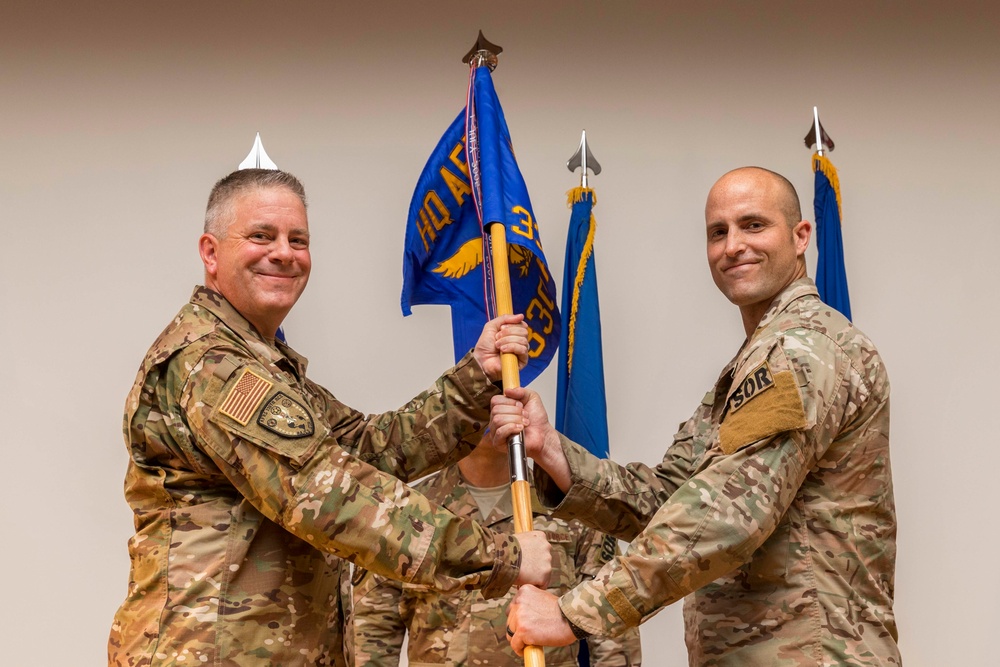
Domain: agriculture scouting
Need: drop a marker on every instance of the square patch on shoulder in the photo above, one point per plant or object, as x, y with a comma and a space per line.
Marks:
245, 396
286, 417
756, 382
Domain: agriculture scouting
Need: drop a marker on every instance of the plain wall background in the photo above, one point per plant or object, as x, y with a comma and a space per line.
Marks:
115, 120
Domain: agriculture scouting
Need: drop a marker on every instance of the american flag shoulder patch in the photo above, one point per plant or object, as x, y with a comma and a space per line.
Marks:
245, 396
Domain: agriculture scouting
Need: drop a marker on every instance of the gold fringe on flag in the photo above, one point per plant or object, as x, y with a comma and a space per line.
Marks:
821, 163
575, 196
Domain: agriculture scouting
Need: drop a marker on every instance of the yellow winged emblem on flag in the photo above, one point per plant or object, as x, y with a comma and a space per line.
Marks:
470, 255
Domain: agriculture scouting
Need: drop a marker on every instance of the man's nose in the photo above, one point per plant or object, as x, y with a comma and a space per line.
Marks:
281, 250
735, 243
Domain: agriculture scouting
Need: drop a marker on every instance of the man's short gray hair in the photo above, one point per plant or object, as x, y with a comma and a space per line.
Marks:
219, 212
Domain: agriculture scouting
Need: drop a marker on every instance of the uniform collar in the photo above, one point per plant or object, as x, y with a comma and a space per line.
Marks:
460, 501
801, 288
217, 304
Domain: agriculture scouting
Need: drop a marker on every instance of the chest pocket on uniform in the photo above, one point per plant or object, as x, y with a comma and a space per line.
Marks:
252, 406
563, 559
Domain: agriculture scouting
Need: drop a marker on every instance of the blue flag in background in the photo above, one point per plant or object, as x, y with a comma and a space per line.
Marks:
443, 255
581, 406
831, 276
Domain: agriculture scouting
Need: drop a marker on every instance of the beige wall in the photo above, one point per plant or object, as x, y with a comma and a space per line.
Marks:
115, 122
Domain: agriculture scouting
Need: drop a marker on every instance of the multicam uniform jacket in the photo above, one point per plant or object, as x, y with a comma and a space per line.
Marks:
461, 627
773, 506
249, 483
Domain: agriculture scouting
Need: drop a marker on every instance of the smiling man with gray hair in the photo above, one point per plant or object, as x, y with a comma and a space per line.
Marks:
251, 484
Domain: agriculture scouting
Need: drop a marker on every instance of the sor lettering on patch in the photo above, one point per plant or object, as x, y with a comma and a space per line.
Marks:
286, 417
608, 546
757, 381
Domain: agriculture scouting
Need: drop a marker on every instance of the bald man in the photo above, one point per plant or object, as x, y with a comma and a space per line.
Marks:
773, 508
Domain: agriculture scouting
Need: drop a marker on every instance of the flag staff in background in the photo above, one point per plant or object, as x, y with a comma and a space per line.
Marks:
581, 405
482, 59
258, 158
831, 275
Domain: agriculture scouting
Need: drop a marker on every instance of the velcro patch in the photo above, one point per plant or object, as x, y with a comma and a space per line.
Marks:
286, 417
625, 609
771, 413
757, 381
245, 396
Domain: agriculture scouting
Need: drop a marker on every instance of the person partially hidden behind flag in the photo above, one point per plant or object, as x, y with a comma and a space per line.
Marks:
460, 627
773, 507
250, 483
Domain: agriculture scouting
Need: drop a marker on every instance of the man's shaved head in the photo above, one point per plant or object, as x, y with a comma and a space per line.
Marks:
788, 198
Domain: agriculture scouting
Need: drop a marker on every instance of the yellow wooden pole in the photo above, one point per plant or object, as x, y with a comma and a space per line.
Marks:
519, 488
484, 53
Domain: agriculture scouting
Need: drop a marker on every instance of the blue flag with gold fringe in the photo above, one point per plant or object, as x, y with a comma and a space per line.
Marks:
831, 276
443, 257
581, 403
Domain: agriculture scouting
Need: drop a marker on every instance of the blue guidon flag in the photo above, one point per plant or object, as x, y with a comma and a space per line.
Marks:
581, 404
443, 258
831, 275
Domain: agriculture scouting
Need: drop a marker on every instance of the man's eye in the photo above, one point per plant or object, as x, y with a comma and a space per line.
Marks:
259, 236
300, 243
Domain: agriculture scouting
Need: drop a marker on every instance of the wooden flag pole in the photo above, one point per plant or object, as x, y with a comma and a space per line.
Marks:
520, 489
484, 53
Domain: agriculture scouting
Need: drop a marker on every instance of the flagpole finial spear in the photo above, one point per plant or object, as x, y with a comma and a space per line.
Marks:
817, 136
258, 157
483, 52
584, 159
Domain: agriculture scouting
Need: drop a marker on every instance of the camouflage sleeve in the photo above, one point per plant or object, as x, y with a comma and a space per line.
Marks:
284, 459
716, 520
379, 628
595, 549
616, 499
437, 428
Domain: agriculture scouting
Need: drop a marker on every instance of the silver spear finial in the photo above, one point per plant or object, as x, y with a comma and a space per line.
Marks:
257, 158
585, 159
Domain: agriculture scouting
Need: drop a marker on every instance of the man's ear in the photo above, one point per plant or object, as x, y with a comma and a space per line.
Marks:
208, 248
802, 232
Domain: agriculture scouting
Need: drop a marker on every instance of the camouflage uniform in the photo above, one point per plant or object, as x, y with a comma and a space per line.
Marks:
249, 483
773, 506
461, 628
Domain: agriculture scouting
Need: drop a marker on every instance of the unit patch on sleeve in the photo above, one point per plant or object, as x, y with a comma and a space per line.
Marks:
286, 417
245, 396
764, 414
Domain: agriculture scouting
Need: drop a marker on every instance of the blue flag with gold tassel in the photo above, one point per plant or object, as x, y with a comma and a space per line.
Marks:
443, 257
581, 403
831, 276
